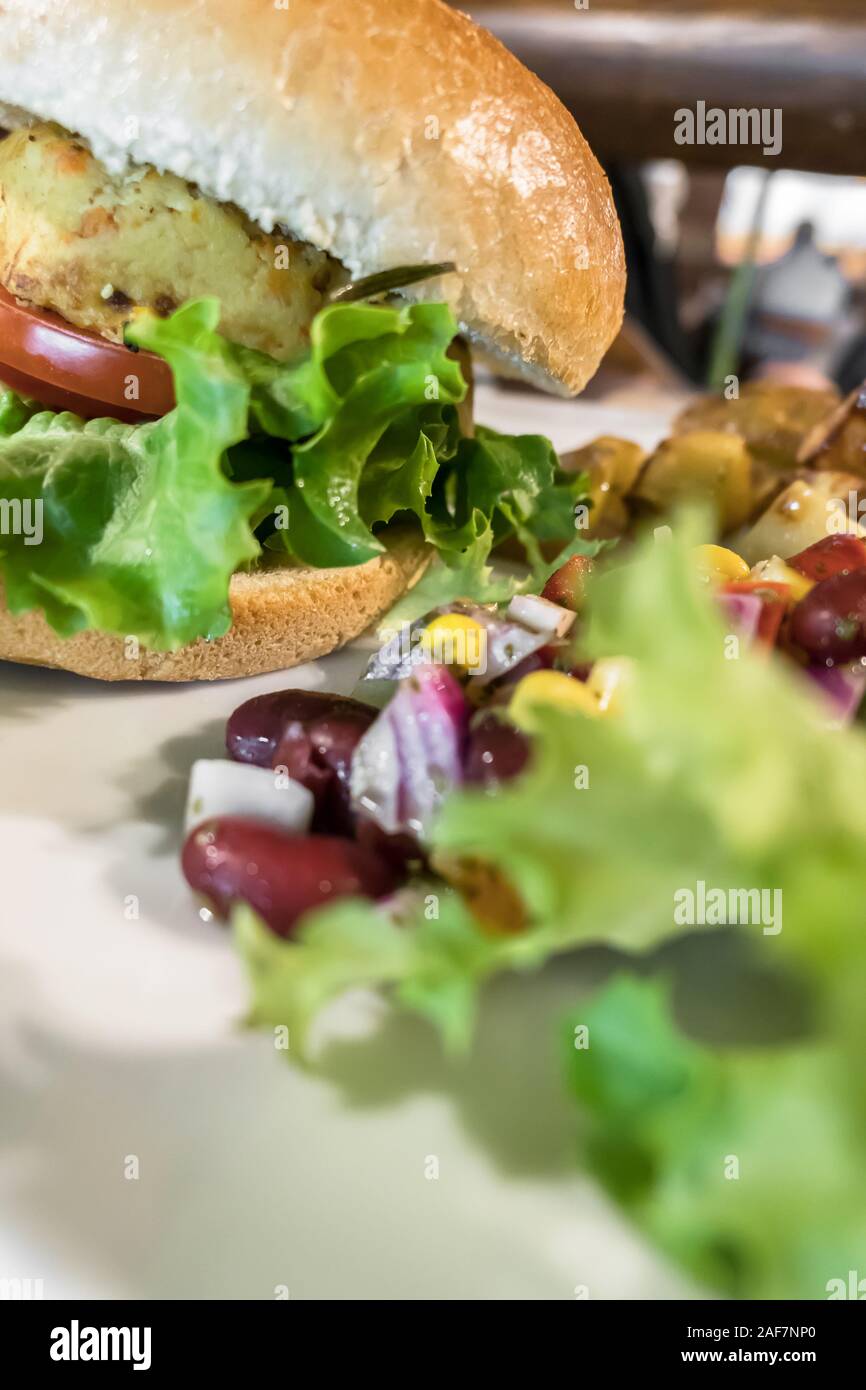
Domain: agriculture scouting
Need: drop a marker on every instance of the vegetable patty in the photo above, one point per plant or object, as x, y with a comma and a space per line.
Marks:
94, 247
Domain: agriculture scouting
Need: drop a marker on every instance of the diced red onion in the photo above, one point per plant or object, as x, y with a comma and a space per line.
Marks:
507, 643
743, 611
412, 755
843, 687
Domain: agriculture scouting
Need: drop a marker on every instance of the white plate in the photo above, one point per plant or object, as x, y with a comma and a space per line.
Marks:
120, 1041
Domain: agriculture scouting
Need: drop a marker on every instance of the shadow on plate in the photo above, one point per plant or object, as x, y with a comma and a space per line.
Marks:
509, 1090
252, 1173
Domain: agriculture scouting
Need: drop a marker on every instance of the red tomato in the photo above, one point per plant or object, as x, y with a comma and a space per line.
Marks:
65, 368
566, 585
832, 555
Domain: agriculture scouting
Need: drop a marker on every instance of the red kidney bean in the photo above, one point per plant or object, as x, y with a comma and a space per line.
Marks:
257, 726
232, 859
497, 751
397, 850
313, 736
830, 622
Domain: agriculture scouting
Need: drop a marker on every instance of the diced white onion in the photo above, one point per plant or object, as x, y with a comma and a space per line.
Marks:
218, 787
812, 507
540, 614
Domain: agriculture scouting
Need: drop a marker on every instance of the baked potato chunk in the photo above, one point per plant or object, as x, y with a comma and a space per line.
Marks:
94, 247
702, 466
811, 507
839, 441
771, 418
612, 466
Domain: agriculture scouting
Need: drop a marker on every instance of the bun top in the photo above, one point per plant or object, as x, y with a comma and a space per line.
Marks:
386, 132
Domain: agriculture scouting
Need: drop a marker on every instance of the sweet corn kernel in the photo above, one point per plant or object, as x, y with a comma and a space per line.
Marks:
718, 565
608, 682
775, 571
549, 688
455, 639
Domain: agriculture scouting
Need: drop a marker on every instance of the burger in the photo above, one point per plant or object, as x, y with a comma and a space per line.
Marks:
245, 247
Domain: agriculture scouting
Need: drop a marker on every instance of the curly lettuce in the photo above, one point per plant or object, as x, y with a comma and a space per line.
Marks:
142, 526
743, 1163
717, 769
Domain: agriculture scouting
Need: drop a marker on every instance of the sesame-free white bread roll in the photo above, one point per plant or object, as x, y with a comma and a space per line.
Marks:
386, 132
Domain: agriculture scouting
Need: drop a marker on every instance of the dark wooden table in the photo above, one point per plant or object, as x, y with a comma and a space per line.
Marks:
624, 68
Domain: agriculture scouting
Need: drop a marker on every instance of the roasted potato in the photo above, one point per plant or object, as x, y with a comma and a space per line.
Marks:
839, 442
772, 419
612, 466
812, 506
704, 466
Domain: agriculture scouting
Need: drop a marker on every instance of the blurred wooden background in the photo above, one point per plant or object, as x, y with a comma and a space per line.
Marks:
808, 9
626, 67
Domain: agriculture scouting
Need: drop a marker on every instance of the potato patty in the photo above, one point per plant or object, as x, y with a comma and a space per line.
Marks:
93, 247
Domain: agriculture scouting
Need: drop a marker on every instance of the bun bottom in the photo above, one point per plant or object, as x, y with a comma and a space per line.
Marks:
281, 618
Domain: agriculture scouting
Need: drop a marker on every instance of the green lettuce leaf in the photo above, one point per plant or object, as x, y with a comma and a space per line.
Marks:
432, 967
718, 769
697, 779
141, 529
473, 575
15, 411
743, 1164
144, 525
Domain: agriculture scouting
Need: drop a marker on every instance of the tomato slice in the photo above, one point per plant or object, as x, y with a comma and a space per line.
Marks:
567, 585
831, 555
66, 368
774, 601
